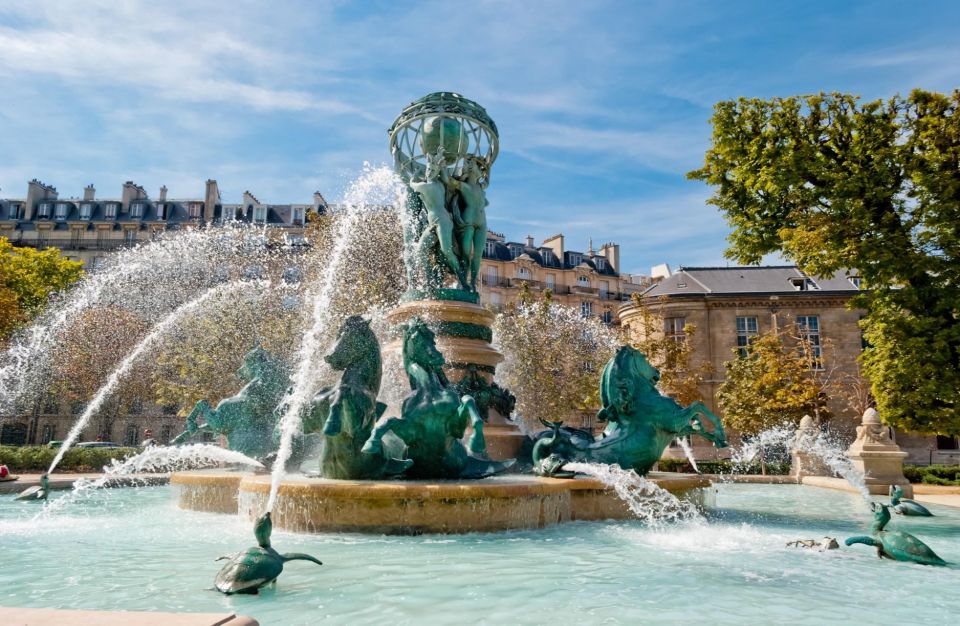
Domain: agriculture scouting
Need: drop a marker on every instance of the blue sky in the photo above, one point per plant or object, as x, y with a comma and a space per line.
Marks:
602, 106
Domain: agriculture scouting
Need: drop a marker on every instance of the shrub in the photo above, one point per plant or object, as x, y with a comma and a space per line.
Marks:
721, 466
38, 458
933, 474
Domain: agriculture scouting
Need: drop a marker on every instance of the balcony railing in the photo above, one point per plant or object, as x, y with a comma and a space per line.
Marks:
494, 281
67, 243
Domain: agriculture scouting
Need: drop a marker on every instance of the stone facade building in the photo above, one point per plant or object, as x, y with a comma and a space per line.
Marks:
87, 228
729, 305
590, 281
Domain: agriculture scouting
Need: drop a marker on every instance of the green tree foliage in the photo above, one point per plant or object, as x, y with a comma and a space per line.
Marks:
553, 359
836, 184
771, 386
680, 377
28, 278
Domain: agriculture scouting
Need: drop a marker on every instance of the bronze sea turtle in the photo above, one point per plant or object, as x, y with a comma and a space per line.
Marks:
895, 544
253, 568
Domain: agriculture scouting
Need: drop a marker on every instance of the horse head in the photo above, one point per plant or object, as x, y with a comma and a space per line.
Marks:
627, 375
356, 344
254, 364
419, 346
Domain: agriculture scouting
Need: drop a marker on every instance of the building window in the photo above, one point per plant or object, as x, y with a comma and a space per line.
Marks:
600, 263
193, 210
298, 217
495, 299
129, 236
161, 211
551, 280
136, 406
523, 272
491, 277
583, 281
44, 209
802, 283
166, 434
76, 408
604, 288
48, 433
673, 328
607, 316
746, 331
547, 256
86, 210
136, 210
809, 329
575, 260
515, 251
856, 281
586, 309
132, 438
490, 248
61, 212
260, 214
13, 212
110, 212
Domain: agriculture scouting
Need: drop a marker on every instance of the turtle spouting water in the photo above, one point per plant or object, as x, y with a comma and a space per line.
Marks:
903, 506
253, 568
895, 544
37, 492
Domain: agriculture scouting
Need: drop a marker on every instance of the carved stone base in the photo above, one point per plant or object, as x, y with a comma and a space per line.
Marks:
876, 455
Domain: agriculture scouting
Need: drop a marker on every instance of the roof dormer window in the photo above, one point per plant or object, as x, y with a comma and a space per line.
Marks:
575, 259
44, 209
13, 212
600, 263
802, 283
136, 210
161, 210
61, 212
194, 210
547, 256
110, 211
260, 214
490, 248
86, 210
856, 281
298, 216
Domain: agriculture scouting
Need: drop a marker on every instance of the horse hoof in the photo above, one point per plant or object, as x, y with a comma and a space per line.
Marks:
371, 447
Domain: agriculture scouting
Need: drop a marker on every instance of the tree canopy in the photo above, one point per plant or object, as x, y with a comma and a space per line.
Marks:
28, 278
870, 188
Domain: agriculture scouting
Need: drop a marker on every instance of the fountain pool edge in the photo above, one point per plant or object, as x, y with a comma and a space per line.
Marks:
317, 505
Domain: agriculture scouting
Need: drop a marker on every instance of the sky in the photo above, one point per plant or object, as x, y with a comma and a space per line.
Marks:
602, 107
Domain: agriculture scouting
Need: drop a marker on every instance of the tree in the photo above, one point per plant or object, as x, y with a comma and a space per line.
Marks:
680, 378
835, 185
28, 279
554, 357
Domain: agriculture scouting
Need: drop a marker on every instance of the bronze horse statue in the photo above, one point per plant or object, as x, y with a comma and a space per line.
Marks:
346, 412
434, 417
641, 422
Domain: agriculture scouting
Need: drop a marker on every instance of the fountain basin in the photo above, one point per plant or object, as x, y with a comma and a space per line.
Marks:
397, 507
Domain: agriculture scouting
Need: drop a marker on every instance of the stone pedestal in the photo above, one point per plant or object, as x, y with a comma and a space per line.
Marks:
802, 463
876, 455
464, 335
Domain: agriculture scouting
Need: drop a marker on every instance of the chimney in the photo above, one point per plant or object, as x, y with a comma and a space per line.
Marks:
163, 194
555, 243
131, 192
611, 252
211, 199
89, 193
37, 191
529, 241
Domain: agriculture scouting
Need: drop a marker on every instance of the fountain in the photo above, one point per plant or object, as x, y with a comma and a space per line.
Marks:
435, 437
407, 454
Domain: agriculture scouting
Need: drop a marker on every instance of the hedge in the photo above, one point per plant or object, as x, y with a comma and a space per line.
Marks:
933, 474
38, 458
722, 466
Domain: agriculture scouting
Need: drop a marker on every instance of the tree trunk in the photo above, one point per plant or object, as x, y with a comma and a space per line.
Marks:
763, 462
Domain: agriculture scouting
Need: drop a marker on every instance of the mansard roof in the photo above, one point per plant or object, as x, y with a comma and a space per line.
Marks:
780, 279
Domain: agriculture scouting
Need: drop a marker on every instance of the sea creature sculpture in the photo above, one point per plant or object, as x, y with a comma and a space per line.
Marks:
641, 422
904, 506
36, 493
895, 544
434, 417
247, 419
346, 412
248, 571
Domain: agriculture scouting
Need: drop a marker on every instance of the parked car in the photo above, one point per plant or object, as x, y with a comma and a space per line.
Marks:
98, 444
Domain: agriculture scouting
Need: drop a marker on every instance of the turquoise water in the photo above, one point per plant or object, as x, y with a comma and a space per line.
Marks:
133, 549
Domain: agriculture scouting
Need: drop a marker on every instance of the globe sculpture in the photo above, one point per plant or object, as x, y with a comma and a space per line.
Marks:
443, 147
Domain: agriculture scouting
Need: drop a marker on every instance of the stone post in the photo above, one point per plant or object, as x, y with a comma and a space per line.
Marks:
876, 455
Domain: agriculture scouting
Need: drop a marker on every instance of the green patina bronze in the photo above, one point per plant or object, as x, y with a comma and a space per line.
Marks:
641, 422
248, 571
487, 395
444, 146
37, 493
346, 412
465, 330
246, 419
895, 544
434, 417
903, 506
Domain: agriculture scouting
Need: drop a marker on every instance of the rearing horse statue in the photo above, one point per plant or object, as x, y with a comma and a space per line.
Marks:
641, 422
346, 412
434, 418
